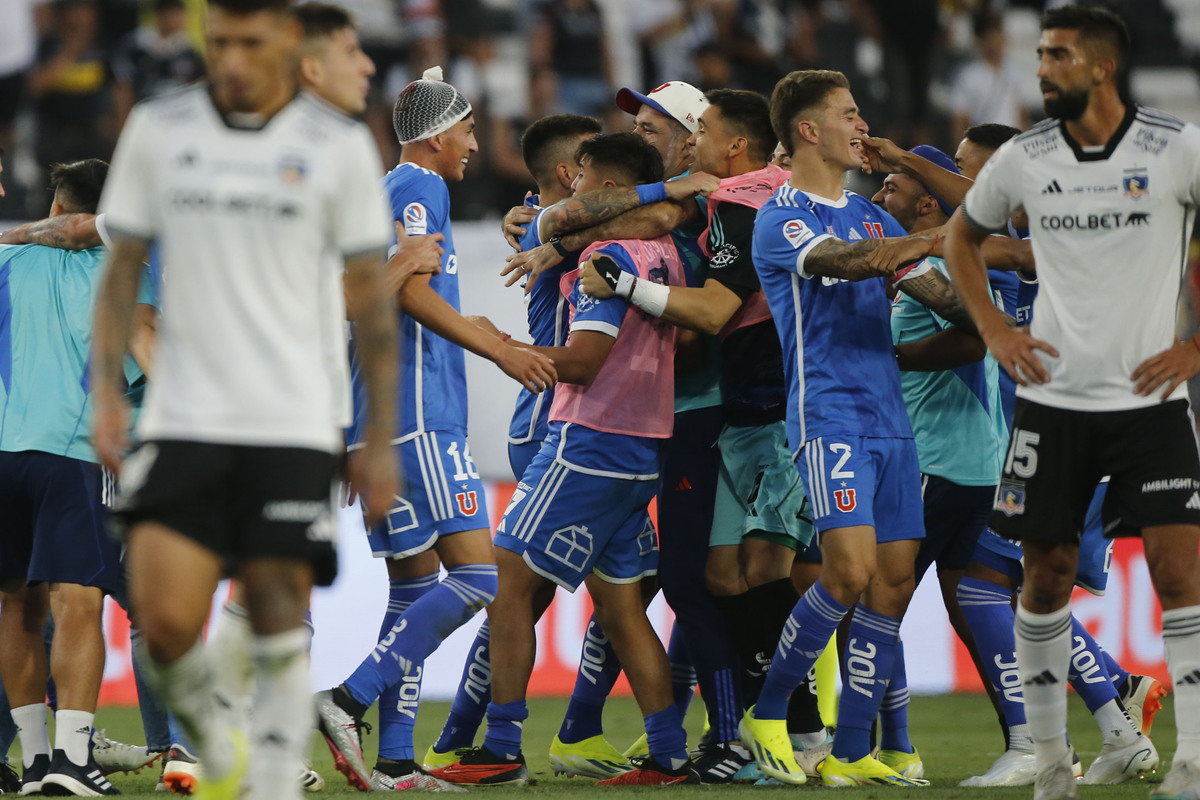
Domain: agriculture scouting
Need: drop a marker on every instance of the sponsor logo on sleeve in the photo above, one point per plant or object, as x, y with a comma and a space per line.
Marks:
797, 232
416, 219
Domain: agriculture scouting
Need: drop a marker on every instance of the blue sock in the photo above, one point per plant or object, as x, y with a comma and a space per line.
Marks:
398, 704
989, 614
1089, 672
598, 671
422, 628
1115, 671
805, 634
504, 728
870, 655
666, 738
683, 674
893, 711
472, 698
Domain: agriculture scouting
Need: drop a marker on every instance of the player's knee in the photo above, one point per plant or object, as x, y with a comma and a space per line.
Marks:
846, 581
721, 581
479, 581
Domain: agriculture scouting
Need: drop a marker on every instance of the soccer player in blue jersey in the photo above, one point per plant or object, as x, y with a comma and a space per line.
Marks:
548, 146
760, 517
815, 251
579, 513
442, 516
666, 118
55, 555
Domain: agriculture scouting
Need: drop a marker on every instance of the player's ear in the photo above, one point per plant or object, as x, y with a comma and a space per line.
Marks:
738, 145
310, 70
563, 173
807, 129
437, 143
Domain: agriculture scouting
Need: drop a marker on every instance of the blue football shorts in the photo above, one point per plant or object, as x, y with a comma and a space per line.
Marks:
856, 480
442, 495
567, 524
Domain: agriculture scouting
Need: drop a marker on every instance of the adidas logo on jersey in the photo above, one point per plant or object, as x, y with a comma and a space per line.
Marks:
1053, 188
1194, 501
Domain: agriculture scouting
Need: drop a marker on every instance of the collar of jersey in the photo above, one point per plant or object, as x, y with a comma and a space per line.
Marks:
1100, 155
841, 202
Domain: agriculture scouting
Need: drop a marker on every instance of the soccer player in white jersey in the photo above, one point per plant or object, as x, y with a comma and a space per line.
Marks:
257, 196
1110, 189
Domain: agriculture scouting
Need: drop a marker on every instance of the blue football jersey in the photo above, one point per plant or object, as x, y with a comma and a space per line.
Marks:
548, 315
1014, 297
432, 389
836, 334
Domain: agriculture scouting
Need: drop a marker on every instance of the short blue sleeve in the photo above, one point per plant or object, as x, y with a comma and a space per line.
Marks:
606, 315
785, 235
148, 287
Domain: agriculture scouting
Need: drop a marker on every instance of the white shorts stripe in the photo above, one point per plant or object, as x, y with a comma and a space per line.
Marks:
531, 503
441, 471
431, 495
557, 480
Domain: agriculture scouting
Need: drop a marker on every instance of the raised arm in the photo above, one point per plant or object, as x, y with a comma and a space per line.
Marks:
582, 357
112, 327
65, 231
885, 156
933, 290
532, 370
600, 205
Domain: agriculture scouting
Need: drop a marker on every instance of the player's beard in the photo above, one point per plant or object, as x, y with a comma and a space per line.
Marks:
1067, 106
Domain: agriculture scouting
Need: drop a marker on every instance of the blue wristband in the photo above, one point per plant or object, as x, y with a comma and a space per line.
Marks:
651, 193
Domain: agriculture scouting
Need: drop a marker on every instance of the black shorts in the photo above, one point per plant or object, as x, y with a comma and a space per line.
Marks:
955, 515
1057, 456
240, 502
54, 519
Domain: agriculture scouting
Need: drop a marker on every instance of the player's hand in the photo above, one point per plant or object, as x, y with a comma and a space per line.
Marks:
894, 254
1016, 351
373, 479
532, 370
1169, 368
593, 283
696, 183
514, 223
882, 155
110, 429
415, 255
531, 264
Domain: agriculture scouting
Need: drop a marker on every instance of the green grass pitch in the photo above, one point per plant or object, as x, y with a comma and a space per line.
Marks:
957, 736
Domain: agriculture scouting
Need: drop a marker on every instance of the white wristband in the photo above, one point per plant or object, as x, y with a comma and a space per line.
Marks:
650, 297
625, 282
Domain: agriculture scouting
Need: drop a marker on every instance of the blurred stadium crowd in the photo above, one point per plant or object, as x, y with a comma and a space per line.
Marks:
926, 69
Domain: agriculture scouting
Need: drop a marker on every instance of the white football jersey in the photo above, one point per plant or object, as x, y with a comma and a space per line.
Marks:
1110, 230
252, 227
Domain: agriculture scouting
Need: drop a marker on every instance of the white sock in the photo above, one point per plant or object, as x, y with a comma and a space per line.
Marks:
233, 672
1116, 727
283, 714
186, 686
1043, 656
1181, 640
31, 728
1019, 738
73, 733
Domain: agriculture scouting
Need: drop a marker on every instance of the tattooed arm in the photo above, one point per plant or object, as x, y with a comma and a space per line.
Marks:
592, 208
854, 261
65, 231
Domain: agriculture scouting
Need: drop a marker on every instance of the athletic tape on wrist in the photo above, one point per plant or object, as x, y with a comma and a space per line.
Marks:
650, 297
